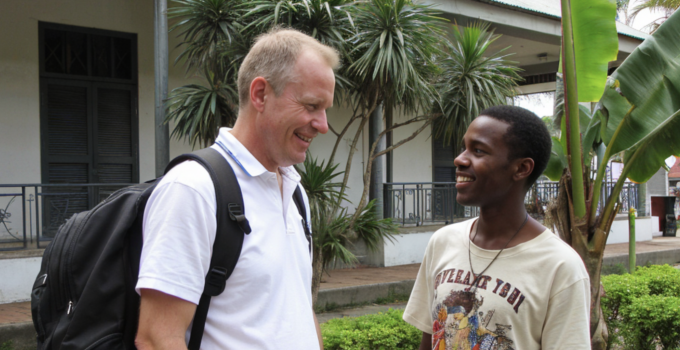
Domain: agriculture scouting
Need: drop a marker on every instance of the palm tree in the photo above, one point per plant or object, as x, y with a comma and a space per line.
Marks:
472, 80
393, 62
666, 7
210, 32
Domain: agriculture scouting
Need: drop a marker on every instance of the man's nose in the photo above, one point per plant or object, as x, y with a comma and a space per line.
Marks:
461, 160
320, 122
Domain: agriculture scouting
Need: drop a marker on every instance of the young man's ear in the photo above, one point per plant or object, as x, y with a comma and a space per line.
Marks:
524, 168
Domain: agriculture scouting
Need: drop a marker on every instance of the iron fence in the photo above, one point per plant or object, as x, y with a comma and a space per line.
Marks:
419, 203
30, 214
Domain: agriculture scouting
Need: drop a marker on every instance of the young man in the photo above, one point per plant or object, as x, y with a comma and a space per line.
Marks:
286, 83
501, 281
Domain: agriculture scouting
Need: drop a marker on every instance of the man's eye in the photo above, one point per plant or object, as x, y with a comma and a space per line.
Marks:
477, 150
312, 107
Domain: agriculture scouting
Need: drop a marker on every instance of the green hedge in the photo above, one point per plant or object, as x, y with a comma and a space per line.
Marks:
643, 309
383, 331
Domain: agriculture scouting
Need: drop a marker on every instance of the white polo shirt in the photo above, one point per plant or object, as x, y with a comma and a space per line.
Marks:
267, 302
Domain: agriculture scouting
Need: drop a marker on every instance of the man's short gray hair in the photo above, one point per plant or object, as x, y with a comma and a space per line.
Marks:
273, 57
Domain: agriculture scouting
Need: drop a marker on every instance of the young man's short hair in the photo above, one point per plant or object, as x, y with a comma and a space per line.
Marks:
527, 136
273, 56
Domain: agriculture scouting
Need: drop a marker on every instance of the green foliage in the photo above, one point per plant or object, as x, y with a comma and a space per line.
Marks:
381, 331
641, 95
596, 43
393, 53
7, 345
643, 308
661, 279
652, 320
332, 233
472, 80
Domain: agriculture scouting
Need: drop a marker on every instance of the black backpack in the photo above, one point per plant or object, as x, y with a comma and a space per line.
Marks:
84, 296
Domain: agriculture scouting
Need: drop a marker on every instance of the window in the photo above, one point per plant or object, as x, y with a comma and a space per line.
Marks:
89, 119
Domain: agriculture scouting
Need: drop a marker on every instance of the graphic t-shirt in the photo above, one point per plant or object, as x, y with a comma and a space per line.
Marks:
536, 295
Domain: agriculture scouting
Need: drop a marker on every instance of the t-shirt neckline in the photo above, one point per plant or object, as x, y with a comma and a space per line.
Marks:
507, 252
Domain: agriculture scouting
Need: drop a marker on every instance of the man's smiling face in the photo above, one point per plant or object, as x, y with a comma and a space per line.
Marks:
291, 120
483, 171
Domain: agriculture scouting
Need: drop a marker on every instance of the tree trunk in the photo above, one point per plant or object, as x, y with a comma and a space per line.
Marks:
560, 217
317, 272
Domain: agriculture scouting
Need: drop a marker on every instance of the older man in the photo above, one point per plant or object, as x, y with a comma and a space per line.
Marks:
286, 84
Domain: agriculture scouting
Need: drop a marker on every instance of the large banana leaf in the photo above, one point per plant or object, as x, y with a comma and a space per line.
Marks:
648, 154
595, 44
557, 162
645, 90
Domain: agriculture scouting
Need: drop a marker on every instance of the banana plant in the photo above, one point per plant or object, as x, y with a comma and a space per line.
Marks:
637, 116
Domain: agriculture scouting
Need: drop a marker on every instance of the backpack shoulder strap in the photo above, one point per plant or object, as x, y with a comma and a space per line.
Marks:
231, 225
300, 204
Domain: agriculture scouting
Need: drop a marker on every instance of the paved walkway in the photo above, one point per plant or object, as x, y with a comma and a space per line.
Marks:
21, 312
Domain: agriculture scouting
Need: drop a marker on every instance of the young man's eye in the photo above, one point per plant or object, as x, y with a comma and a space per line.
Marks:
477, 150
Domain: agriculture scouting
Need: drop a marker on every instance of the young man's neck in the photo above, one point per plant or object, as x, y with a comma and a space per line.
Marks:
499, 222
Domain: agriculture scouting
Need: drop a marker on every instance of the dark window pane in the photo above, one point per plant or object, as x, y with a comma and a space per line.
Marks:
122, 58
101, 56
114, 122
53, 51
76, 53
67, 120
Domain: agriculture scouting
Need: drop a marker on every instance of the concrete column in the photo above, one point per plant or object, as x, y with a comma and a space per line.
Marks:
161, 77
375, 127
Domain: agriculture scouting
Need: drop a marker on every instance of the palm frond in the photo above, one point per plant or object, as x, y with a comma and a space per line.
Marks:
472, 80
204, 26
394, 52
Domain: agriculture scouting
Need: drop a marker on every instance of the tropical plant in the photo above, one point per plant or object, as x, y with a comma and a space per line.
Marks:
210, 29
638, 114
392, 65
666, 7
472, 79
332, 233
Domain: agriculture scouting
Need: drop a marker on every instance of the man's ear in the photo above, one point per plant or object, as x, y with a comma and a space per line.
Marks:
258, 88
525, 166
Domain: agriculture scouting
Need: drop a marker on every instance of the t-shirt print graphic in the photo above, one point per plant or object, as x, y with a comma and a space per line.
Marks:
459, 325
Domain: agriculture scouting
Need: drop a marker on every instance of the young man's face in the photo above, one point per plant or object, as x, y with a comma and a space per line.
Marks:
483, 174
291, 120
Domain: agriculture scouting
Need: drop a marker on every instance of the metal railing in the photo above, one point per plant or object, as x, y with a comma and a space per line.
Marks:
31, 214
418, 203
422, 203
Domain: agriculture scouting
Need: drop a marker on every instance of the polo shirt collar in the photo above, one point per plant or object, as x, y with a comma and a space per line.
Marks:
242, 156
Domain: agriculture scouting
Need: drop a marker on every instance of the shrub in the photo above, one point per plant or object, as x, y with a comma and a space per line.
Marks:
620, 290
651, 319
643, 309
383, 331
661, 279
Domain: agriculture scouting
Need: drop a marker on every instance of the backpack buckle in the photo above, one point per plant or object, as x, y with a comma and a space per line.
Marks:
236, 214
215, 281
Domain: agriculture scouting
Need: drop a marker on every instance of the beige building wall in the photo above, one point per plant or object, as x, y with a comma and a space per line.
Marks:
20, 79
412, 161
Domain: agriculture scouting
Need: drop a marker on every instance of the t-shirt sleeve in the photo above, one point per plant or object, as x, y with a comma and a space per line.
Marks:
179, 232
417, 310
567, 321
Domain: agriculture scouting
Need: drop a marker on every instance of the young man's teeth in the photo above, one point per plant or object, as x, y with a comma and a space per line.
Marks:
463, 179
303, 138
